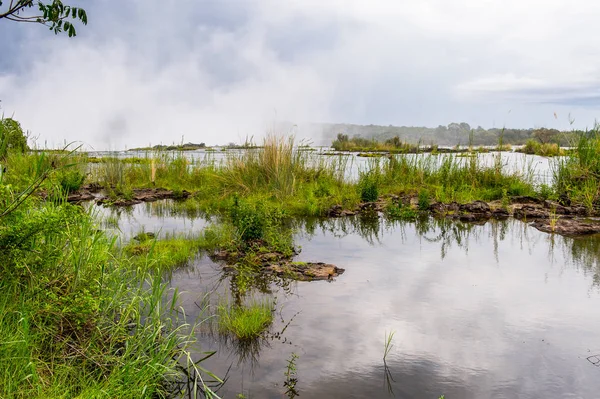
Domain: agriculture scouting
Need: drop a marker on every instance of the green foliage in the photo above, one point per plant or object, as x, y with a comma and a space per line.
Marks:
70, 180
368, 185
12, 137
250, 219
166, 253
453, 134
423, 200
246, 322
291, 377
77, 319
542, 149
56, 16
400, 211
577, 177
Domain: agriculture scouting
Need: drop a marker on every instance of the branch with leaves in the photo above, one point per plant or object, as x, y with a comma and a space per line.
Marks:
58, 17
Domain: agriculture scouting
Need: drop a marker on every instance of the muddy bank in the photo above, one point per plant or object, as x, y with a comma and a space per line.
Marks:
547, 216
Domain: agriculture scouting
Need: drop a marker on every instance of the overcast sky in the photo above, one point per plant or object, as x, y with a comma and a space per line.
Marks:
151, 71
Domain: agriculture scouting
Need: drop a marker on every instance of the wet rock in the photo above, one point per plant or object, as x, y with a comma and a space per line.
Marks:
339, 211
80, 196
145, 195
555, 207
474, 217
525, 199
577, 210
93, 187
475, 207
500, 214
530, 212
308, 271
442, 209
568, 227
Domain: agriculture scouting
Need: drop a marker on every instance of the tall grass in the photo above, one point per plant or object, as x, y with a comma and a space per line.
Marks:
452, 178
77, 318
577, 177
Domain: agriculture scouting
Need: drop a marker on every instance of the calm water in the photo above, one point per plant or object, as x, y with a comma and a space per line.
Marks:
494, 311
540, 167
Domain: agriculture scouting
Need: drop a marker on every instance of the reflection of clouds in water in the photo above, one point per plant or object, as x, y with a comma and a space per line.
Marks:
467, 313
501, 312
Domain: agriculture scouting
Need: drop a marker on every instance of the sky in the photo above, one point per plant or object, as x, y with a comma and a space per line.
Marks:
147, 72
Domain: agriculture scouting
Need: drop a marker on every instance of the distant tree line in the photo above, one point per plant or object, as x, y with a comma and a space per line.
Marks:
453, 134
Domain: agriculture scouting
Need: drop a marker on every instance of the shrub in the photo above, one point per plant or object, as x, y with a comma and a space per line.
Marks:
249, 219
70, 180
423, 199
368, 186
245, 322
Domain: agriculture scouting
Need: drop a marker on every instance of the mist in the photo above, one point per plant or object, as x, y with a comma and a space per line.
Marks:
161, 72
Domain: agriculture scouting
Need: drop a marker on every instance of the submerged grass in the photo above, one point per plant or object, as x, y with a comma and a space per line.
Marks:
247, 321
166, 253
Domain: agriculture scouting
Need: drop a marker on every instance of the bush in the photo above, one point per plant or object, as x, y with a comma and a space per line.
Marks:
249, 219
12, 137
423, 199
70, 180
368, 186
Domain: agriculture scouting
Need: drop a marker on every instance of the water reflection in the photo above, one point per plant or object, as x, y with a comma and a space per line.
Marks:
494, 310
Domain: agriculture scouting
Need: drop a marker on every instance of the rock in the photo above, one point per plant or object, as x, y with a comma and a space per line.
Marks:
500, 213
530, 212
305, 271
555, 207
80, 196
475, 207
145, 195
439, 208
525, 199
568, 227
335, 211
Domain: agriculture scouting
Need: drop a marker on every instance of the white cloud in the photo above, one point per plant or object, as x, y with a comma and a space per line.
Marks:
217, 72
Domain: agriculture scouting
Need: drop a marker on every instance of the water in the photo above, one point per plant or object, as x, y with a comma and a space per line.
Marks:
512, 162
494, 311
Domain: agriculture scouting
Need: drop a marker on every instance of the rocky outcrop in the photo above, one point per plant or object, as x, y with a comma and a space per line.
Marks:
568, 227
305, 271
144, 195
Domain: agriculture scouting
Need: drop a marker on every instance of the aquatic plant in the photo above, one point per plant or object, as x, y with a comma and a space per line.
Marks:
291, 377
247, 321
388, 344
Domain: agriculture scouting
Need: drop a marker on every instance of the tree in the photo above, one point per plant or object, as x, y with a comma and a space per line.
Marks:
55, 15
12, 137
545, 135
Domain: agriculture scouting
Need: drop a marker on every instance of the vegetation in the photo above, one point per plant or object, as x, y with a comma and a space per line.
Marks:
55, 15
247, 321
363, 138
12, 137
577, 177
542, 149
291, 378
79, 317
180, 147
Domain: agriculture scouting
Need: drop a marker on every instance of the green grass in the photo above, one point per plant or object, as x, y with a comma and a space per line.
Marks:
542, 149
166, 253
79, 317
577, 177
247, 321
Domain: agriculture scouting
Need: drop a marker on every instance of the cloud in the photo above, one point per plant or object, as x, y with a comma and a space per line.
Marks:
218, 71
